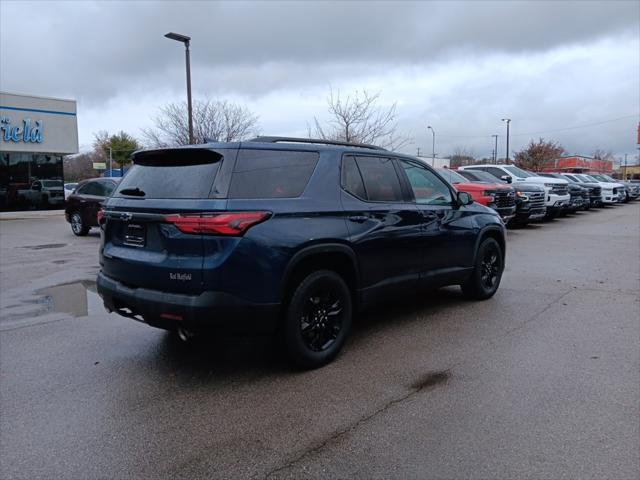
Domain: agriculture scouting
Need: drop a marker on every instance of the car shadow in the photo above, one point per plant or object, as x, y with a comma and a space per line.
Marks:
224, 356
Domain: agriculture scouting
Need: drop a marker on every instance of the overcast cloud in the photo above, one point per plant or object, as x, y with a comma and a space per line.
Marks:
458, 66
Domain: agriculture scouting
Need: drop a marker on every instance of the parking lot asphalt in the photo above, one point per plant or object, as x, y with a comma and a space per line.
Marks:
542, 381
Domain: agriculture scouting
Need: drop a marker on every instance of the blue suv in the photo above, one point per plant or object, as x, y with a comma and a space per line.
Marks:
287, 235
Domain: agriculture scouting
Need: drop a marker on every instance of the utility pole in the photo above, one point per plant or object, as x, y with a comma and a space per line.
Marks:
418, 154
110, 162
495, 149
508, 120
433, 146
625, 168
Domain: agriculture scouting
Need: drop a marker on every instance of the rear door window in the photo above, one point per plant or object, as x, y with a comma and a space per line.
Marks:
381, 181
351, 178
271, 173
171, 174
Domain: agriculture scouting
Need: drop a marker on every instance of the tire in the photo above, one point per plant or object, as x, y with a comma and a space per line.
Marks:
317, 319
487, 272
77, 225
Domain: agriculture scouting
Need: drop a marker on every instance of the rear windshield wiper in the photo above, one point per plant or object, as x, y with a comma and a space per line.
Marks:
136, 192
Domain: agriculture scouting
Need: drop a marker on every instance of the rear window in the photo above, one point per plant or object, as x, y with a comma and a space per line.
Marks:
271, 173
177, 173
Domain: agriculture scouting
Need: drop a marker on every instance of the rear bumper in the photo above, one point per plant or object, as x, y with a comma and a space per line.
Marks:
204, 311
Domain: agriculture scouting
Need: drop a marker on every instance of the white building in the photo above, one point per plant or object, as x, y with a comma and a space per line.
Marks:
35, 134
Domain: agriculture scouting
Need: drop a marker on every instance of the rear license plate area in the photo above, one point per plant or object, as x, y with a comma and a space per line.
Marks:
135, 235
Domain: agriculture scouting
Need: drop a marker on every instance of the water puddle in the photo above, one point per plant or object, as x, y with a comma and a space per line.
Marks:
77, 298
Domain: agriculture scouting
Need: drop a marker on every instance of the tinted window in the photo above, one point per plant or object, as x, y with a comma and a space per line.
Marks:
171, 173
92, 188
428, 189
271, 173
351, 178
108, 188
381, 181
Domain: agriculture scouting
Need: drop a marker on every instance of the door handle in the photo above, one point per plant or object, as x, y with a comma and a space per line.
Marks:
358, 218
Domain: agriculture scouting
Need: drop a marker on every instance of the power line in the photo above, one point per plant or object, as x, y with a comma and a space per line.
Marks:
577, 126
586, 125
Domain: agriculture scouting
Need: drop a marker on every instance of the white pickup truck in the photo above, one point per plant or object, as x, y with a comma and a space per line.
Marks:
43, 192
556, 190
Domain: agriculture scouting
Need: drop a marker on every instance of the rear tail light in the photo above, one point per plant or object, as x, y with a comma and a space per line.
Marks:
228, 223
100, 216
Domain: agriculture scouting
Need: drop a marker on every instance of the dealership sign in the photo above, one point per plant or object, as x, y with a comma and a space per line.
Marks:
28, 132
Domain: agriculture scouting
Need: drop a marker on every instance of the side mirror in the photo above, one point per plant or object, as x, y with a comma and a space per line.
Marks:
506, 178
464, 198
37, 187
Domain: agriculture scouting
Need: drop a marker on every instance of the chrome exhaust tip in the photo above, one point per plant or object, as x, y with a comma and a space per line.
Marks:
185, 335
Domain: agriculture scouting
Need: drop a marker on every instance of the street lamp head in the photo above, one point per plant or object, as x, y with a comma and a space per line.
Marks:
180, 38
506, 120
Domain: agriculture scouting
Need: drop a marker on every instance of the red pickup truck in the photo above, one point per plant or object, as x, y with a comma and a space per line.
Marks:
499, 196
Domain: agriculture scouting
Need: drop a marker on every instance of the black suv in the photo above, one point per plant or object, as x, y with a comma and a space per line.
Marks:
287, 235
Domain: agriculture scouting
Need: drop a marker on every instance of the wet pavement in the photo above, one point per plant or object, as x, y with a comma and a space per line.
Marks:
541, 381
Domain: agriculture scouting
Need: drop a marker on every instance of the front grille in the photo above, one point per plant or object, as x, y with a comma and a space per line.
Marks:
615, 191
536, 199
560, 189
504, 198
596, 191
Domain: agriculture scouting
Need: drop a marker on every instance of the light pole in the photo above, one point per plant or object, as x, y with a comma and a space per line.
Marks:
495, 149
508, 120
433, 146
184, 39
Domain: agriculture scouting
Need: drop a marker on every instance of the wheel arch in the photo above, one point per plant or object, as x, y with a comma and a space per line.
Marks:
497, 234
329, 256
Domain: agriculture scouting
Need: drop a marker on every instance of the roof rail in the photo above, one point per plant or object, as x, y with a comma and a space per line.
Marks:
314, 140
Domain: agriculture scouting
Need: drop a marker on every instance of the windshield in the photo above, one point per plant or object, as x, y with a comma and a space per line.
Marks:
451, 176
598, 178
570, 178
611, 179
51, 183
517, 172
476, 176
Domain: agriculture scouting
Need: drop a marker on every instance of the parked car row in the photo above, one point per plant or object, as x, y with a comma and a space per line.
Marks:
542, 195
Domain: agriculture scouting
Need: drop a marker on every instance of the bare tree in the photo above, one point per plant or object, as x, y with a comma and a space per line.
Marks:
599, 154
462, 156
219, 121
537, 155
80, 166
358, 119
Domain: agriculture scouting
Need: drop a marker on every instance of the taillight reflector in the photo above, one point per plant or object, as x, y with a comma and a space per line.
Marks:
229, 223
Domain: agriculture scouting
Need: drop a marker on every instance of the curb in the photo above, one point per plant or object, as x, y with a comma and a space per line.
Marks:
28, 215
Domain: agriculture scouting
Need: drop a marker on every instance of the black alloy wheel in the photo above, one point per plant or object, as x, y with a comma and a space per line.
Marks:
318, 319
77, 225
490, 269
487, 273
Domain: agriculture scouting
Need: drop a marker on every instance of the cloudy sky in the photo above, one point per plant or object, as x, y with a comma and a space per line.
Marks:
567, 71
